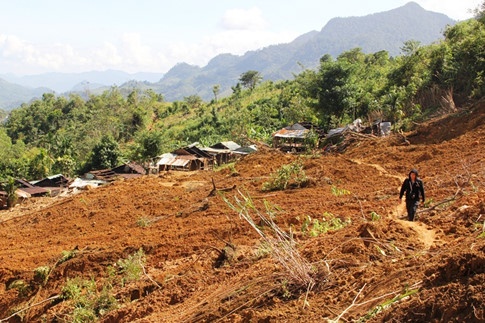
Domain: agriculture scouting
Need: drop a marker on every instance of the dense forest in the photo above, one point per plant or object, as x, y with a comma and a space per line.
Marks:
70, 135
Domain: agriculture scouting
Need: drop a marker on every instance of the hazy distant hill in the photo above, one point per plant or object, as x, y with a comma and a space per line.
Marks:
13, 95
64, 82
381, 31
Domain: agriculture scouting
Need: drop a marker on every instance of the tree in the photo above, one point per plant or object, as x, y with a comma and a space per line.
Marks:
9, 185
148, 145
250, 79
105, 154
216, 89
40, 163
480, 13
195, 103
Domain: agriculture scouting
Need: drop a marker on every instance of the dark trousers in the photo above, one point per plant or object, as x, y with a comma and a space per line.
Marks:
411, 207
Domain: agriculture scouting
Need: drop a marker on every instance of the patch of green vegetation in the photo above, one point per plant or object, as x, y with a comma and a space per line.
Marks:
41, 273
374, 216
230, 166
22, 287
316, 227
292, 173
336, 191
132, 267
66, 255
88, 303
143, 222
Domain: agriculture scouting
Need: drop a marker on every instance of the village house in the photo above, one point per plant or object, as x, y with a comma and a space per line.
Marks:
294, 138
189, 158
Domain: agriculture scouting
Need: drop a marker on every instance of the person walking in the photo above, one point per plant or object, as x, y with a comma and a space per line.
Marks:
414, 189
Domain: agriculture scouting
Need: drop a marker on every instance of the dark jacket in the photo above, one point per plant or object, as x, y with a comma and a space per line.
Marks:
414, 191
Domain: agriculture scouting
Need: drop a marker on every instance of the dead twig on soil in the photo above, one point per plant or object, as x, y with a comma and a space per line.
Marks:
350, 306
216, 190
29, 307
459, 192
145, 272
361, 207
415, 285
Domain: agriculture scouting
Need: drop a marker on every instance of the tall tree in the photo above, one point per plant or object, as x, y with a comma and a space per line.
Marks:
216, 89
105, 154
250, 79
148, 145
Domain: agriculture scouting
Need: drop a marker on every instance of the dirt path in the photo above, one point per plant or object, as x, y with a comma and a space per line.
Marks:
424, 234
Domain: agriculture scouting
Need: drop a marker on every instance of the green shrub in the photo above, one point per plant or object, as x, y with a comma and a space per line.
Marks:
374, 216
66, 255
88, 303
292, 173
132, 266
83, 314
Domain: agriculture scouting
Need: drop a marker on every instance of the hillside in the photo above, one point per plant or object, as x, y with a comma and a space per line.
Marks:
202, 262
381, 31
13, 95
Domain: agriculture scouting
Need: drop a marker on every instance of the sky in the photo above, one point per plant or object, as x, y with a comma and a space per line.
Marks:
40, 36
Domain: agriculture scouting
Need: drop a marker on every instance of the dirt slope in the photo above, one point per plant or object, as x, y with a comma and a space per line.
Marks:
204, 263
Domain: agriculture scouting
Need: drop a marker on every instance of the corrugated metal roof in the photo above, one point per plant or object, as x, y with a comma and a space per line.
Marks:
130, 167
285, 133
174, 160
211, 150
231, 145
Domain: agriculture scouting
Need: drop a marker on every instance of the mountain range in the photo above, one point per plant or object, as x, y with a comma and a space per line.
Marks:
381, 31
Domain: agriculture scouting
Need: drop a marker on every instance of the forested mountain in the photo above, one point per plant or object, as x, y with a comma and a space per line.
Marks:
381, 31
13, 95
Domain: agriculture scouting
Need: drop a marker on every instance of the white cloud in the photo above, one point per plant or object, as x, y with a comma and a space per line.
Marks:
455, 9
243, 30
244, 19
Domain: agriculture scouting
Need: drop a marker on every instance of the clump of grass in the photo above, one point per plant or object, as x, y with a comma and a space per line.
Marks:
143, 222
336, 191
263, 250
316, 227
292, 173
230, 166
386, 304
374, 216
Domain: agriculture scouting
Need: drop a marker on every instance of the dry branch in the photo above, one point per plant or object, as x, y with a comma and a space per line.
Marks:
215, 189
350, 306
29, 307
459, 192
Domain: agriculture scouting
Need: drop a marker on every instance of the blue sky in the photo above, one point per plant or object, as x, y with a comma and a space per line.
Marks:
38, 36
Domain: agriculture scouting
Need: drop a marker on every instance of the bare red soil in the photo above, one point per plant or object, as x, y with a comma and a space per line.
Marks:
204, 263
